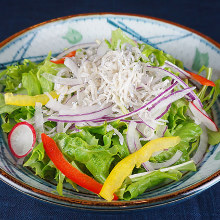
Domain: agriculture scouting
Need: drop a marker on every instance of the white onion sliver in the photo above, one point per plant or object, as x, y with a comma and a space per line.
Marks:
75, 47
161, 130
166, 101
121, 138
60, 127
54, 105
162, 170
147, 166
39, 120
169, 162
67, 127
84, 110
177, 69
61, 80
82, 117
203, 143
176, 78
130, 136
68, 62
102, 49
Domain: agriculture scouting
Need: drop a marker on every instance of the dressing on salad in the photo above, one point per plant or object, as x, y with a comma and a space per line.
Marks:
111, 111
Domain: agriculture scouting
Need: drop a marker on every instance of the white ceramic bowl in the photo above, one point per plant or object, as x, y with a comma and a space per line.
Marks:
34, 43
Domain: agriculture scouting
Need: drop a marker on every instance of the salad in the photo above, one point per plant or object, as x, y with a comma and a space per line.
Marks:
115, 117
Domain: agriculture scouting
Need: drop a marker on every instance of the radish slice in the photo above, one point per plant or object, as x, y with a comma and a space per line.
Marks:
201, 117
21, 139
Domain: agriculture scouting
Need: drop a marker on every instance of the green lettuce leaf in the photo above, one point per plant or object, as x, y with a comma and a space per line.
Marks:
158, 56
12, 76
11, 114
189, 132
119, 35
177, 113
141, 184
31, 83
6, 108
48, 67
96, 158
38, 161
214, 137
131, 188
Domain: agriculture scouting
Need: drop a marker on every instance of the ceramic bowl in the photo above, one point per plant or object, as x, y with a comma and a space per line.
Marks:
185, 44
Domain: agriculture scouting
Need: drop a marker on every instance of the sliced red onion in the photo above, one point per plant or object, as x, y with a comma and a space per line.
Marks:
141, 132
68, 126
164, 112
61, 80
147, 166
177, 69
100, 119
161, 71
202, 118
73, 48
166, 91
165, 130
203, 143
85, 110
171, 161
127, 120
145, 122
70, 100
160, 131
165, 101
92, 116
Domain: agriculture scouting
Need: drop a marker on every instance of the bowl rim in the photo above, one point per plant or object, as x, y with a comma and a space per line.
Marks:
104, 205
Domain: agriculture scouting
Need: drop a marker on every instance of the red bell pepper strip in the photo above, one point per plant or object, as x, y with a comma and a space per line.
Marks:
71, 54
201, 79
67, 169
61, 60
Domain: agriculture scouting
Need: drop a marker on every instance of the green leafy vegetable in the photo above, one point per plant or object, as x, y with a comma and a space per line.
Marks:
141, 184
118, 36
131, 188
96, 158
189, 132
214, 137
31, 83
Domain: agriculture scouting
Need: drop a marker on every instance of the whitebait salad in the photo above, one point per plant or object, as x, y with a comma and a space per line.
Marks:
115, 117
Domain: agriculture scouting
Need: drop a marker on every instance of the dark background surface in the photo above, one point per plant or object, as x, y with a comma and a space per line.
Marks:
202, 16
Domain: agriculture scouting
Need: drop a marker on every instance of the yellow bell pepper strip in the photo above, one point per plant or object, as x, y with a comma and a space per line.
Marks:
26, 100
124, 167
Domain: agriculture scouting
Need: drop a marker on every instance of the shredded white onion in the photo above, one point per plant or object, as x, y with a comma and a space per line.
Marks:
39, 120
167, 163
121, 138
203, 143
